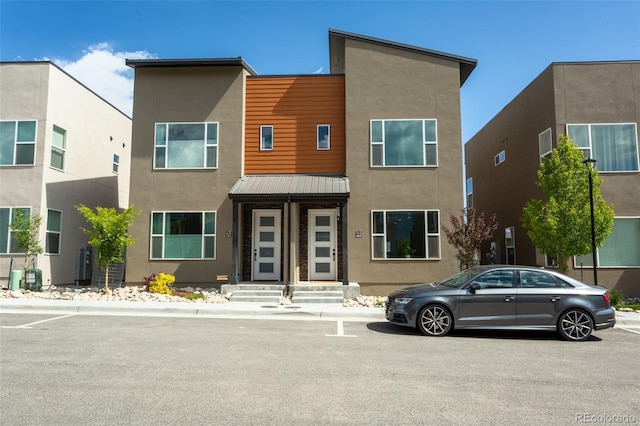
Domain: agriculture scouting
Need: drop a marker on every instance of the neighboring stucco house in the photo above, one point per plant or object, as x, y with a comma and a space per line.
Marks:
60, 145
598, 105
335, 178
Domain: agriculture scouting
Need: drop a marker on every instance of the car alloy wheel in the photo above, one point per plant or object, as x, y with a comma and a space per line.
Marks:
434, 320
575, 325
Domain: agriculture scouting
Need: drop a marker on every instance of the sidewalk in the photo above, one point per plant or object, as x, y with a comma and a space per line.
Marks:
305, 311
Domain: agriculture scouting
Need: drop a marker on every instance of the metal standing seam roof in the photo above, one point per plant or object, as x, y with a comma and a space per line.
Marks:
283, 187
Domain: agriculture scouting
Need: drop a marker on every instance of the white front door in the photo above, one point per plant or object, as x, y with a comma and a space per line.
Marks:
266, 245
322, 244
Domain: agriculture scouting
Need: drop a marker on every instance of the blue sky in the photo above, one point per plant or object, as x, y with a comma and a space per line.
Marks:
513, 41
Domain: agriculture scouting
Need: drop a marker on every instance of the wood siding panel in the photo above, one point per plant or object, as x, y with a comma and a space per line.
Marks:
294, 106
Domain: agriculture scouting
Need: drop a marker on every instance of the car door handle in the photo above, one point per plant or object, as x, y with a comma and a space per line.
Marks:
509, 298
555, 298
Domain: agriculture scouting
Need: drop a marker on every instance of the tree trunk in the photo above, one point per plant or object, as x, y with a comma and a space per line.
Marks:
563, 264
106, 278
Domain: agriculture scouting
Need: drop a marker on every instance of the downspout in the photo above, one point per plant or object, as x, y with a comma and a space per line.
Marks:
288, 259
234, 243
345, 238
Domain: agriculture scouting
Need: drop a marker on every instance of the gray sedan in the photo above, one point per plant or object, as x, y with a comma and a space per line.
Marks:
503, 297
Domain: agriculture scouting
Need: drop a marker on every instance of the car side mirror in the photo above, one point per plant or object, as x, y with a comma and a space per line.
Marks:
473, 287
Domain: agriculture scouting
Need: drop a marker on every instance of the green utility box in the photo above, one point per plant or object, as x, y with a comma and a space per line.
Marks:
14, 279
34, 279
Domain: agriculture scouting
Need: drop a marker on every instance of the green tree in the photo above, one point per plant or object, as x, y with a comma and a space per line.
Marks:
109, 235
467, 233
560, 225
25, 229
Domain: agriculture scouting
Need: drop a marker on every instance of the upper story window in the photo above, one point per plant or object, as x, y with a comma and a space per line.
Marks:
613, 146
405, 234
17, 142
499, 158
186, 146
266, 138
8, 243
58, 147
54, 230
469, 193
545, 144
323, 137
116, 163
403, 143
183, 235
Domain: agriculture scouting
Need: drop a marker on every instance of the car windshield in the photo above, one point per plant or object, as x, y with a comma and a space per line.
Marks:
459, 279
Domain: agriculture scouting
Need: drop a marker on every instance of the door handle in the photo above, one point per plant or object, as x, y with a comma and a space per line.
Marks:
334, 254
255, 254
509, 298
555, 298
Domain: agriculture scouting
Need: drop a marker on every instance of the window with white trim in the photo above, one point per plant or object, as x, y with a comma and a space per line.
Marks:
620, 249
58, 147
186, 146
613, 146
470, 193
266, 138
8, 244
545, 144
499, 158
116, 163
54, 231
404, 143
323, 132
183, 235
510, 245
405, 234
17, 142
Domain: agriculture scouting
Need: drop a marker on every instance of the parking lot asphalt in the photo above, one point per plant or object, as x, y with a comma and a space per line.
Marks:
305, 311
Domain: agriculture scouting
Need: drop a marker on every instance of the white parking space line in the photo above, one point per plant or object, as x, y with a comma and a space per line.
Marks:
629, 330
37, 322
340, 331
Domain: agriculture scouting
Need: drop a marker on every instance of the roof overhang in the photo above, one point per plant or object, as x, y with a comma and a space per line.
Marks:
296, 188
195, 62
467, 65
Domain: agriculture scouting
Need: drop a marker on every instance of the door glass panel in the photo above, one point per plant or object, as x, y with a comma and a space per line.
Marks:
323, 267
266, 267
266, 236
266, 251
323, 236
323, 220
323, 252
267, 221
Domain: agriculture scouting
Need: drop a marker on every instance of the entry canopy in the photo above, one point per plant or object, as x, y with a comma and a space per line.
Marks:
265, 188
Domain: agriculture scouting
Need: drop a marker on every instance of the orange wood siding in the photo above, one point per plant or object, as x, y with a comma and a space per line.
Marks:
294, 106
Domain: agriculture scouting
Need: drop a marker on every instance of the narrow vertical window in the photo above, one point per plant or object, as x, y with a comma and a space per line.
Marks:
116, 163
499, 158
266, 138
470, 193
54, 230
323, 137
58, 147
510, 244
545, 141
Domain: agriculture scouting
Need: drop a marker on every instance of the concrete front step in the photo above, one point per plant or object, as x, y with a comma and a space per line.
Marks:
263, 296
300, 296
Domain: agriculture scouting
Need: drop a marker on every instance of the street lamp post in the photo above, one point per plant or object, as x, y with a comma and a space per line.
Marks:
590, 163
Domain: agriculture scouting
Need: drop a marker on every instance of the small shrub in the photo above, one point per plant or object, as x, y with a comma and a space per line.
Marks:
194, 296
161, 283
616, 297
147, 280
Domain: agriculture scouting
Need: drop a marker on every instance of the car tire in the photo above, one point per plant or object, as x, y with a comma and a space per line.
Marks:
575, 325
435, 320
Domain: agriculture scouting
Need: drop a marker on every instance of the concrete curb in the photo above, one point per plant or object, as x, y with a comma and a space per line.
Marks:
304, 311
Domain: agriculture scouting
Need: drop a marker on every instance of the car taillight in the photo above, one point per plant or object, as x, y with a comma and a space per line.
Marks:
606, 297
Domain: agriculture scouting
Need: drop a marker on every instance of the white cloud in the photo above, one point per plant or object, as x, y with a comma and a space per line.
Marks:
104, 71
319, 70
